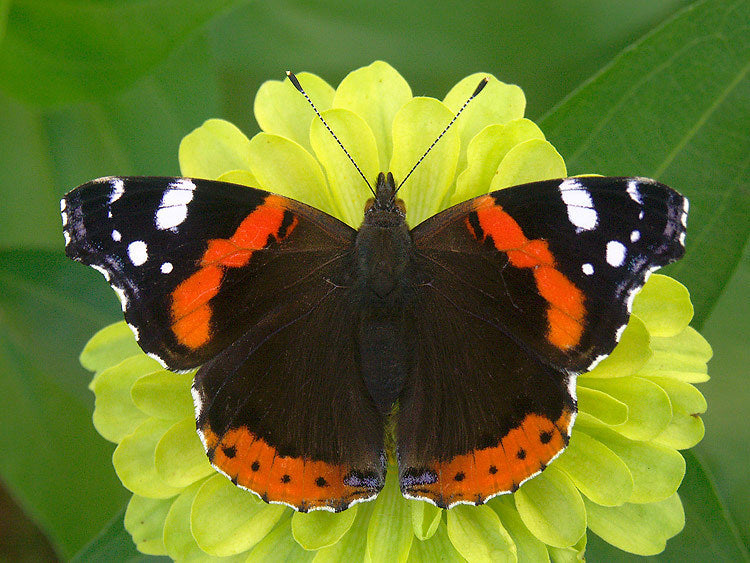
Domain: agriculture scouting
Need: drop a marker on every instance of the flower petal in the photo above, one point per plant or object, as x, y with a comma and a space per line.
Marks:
348, 190
279, 545
319, 529
425, 518
389, 534
226, 520
649, 409
280, 109
164, 394
682, 357
596, 470
497, 103
551, 508
242, 177
528, 546
437, 548
215, 147
664, 306
115, 413
529, 161
642, 529
601, 406
573, 554
486, 151
283, 167
478, 534
178, 540
686, 428
375, 93
657, 470
351, 547
134, 460
630, 354
415, 127
179, 457
108, 347
144, 521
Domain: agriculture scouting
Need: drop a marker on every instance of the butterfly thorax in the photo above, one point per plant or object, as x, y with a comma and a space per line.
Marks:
383, 251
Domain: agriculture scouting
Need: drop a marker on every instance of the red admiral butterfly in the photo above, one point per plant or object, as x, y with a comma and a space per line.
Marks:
474, 324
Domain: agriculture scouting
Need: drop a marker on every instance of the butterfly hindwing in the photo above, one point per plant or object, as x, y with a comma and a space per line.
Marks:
241, 281
524, 288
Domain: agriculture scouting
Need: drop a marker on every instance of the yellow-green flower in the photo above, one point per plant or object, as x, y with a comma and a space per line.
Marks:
619, 476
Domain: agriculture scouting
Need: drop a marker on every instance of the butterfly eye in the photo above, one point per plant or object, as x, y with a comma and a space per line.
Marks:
369, 203
401, 206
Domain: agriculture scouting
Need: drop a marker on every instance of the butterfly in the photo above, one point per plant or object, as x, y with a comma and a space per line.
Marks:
466, 332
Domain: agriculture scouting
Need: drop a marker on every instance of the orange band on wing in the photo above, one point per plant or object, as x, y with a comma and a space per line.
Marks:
305, 484
191, 310
478, 475
566, 311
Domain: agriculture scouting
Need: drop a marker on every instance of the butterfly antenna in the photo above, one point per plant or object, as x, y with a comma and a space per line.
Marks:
478, 89
298, 86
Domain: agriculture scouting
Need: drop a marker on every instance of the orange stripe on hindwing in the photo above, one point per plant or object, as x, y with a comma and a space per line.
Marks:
483, 473
566, 311
306, 484
191, 310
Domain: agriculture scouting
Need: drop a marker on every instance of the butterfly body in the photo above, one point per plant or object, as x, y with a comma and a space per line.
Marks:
475, 323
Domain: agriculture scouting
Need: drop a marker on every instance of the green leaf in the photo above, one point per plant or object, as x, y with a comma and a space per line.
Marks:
357, 92
226, 520
99, 48
642, 529
281, 110
415, 126
649, 409
630, 354
108, 347
664, 306
212, 149
528, 546
164, 394
389, 533
179, 457
53, 458
319, 529
116, 415
144, 521
551, 507
689, 76
134, 460
478, 534
596, 470
279, 545
353, 546
113, 543
425, 518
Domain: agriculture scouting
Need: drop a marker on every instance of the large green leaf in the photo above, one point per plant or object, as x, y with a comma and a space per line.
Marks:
676, 107
53, 460
82, 50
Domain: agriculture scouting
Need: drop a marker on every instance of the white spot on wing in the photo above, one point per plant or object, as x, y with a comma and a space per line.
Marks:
173, 207
596, 362
102, 271
153, 356
134, 330
641, 215
580, 207
118, 188
166, 267
138, 252
123, 298
588, 269
634, 192
572, 387
635, 236
615, 253
63, 205
682, 238
66, 236
116, 236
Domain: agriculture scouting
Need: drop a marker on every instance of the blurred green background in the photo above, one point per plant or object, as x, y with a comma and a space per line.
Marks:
89, 88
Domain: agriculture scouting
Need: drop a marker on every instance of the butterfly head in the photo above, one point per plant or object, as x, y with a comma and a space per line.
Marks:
385, 202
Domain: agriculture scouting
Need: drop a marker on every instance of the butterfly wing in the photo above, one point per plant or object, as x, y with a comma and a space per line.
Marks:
240, 280
522, 290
